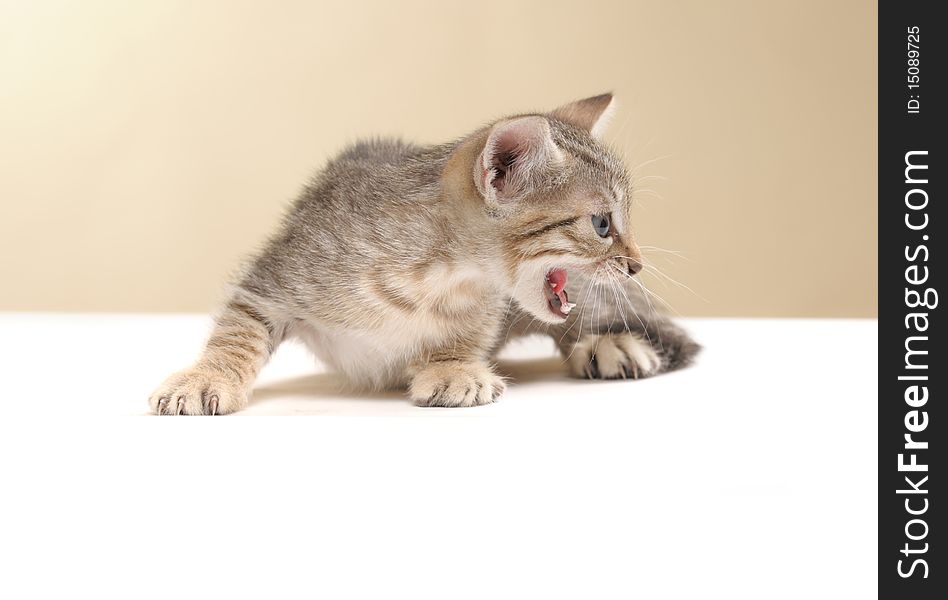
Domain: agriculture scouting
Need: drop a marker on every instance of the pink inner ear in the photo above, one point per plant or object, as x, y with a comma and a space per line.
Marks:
502, 163
499, 182
513, 149
507, 148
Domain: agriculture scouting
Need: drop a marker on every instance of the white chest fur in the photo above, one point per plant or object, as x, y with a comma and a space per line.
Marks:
404, 315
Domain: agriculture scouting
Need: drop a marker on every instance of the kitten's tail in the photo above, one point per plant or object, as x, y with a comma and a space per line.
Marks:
676, 348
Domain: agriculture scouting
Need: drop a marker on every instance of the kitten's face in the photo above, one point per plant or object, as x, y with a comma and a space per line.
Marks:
564, 205
587, 237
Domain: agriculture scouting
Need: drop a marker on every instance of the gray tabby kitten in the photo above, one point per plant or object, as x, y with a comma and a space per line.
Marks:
410, 266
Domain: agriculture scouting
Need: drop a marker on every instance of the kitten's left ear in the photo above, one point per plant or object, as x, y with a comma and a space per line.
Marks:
591, 114
516, 152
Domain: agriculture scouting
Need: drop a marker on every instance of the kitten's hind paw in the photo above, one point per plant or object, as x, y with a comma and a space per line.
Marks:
614, 356
198, 391
456, 383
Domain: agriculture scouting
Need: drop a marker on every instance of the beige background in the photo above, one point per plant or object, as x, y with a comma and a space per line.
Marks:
146, 146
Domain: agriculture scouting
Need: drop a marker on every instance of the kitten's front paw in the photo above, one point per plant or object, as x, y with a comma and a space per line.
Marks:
614, 356
455, 383
198, 391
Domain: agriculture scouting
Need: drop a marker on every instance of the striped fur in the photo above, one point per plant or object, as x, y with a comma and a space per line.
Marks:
409, 266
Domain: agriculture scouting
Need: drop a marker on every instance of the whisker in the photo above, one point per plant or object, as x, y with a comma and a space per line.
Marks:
632, 305
655, 270
582, 316
677, 253
645, 289
648, 162
655, 295
615, 293
588, 287
647, 177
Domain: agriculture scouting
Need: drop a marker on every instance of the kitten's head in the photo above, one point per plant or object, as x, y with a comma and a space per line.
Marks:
561, 200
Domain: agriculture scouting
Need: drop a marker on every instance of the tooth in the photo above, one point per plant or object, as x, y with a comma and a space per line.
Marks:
567, 307
552, 285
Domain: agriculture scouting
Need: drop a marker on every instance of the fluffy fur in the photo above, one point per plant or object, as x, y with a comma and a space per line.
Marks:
405, 266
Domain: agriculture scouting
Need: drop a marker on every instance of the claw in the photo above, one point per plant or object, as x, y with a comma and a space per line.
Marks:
212, 403
180, 405
594, 363
162, 405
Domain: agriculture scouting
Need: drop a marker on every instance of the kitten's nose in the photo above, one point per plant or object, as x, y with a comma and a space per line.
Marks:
633, 258
634, 266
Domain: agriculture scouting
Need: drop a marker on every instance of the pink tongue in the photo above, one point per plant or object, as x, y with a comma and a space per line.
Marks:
558, 278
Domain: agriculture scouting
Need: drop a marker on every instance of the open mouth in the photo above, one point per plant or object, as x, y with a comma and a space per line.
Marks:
555, 290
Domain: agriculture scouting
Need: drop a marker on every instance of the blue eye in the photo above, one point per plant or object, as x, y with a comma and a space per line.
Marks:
601, 225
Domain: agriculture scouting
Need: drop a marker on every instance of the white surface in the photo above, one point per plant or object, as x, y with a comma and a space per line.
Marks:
750, 475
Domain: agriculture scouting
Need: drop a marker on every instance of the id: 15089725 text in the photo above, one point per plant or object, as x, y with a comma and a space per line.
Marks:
913, 37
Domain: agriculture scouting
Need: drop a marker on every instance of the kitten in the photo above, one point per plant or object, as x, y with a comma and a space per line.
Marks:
410, 266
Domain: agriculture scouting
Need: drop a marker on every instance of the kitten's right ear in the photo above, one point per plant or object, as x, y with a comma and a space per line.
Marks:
515, 151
